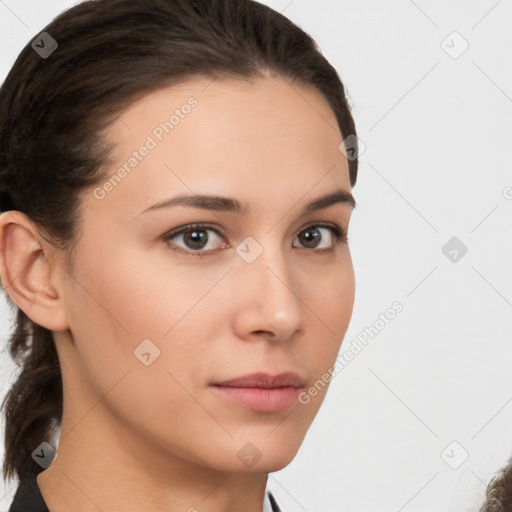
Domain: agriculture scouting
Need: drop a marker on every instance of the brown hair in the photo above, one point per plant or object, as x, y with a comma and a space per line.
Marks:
498, 495
54, 109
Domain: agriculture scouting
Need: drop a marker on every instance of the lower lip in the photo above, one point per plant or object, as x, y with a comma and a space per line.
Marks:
260, 399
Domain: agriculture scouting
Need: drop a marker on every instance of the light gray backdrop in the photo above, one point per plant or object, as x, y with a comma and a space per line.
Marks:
421, 416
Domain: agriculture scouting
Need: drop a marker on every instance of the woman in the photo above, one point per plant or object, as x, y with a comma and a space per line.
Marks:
165, 370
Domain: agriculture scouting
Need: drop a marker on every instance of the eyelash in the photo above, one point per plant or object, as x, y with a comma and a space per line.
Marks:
340, 237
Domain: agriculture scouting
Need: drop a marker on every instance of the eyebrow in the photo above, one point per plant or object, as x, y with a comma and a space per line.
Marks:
230, 205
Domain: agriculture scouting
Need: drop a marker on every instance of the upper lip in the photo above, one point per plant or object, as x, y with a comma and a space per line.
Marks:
264, 380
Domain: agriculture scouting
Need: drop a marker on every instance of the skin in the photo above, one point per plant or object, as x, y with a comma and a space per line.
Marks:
154, 438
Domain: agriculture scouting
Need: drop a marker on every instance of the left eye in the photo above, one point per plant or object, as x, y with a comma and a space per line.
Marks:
195, 238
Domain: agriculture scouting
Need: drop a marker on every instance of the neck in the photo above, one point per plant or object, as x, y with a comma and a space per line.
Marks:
102, 466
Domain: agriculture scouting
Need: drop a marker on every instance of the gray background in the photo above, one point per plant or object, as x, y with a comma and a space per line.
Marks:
434, 386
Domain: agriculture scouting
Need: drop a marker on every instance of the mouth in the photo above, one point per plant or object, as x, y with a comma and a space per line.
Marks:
262, 392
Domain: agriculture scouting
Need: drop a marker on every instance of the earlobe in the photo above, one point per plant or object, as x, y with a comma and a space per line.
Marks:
26, 271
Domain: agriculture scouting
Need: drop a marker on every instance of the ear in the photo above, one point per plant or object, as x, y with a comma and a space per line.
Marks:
26, 273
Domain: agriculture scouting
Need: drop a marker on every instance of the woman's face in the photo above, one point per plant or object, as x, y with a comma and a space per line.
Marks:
155, 326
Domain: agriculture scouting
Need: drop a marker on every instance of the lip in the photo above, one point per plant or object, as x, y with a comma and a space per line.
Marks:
261, 391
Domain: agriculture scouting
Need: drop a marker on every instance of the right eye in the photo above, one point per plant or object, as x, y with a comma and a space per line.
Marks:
194, 237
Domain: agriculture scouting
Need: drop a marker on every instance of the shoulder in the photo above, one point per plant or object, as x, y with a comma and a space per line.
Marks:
28, 497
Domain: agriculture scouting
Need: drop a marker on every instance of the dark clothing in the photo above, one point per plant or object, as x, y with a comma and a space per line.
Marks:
28, 497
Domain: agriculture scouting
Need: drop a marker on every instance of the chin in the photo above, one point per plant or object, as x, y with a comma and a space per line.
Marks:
267, 464
272, 455
251, 455
276, 463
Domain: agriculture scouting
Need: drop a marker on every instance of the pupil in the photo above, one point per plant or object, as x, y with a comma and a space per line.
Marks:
311, 236
196, 238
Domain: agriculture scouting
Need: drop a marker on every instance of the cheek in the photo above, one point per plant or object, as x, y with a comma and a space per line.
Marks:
330, 298
330, 304
120, 317
134, 309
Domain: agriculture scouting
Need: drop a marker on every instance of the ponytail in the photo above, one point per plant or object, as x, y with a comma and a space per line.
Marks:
33, 404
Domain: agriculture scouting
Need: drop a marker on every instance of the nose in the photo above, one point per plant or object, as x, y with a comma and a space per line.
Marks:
269, 301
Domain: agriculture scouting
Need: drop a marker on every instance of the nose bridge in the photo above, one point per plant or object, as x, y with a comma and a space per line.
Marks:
270, 284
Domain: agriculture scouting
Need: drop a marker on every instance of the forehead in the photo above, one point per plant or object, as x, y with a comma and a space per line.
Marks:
256, 138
